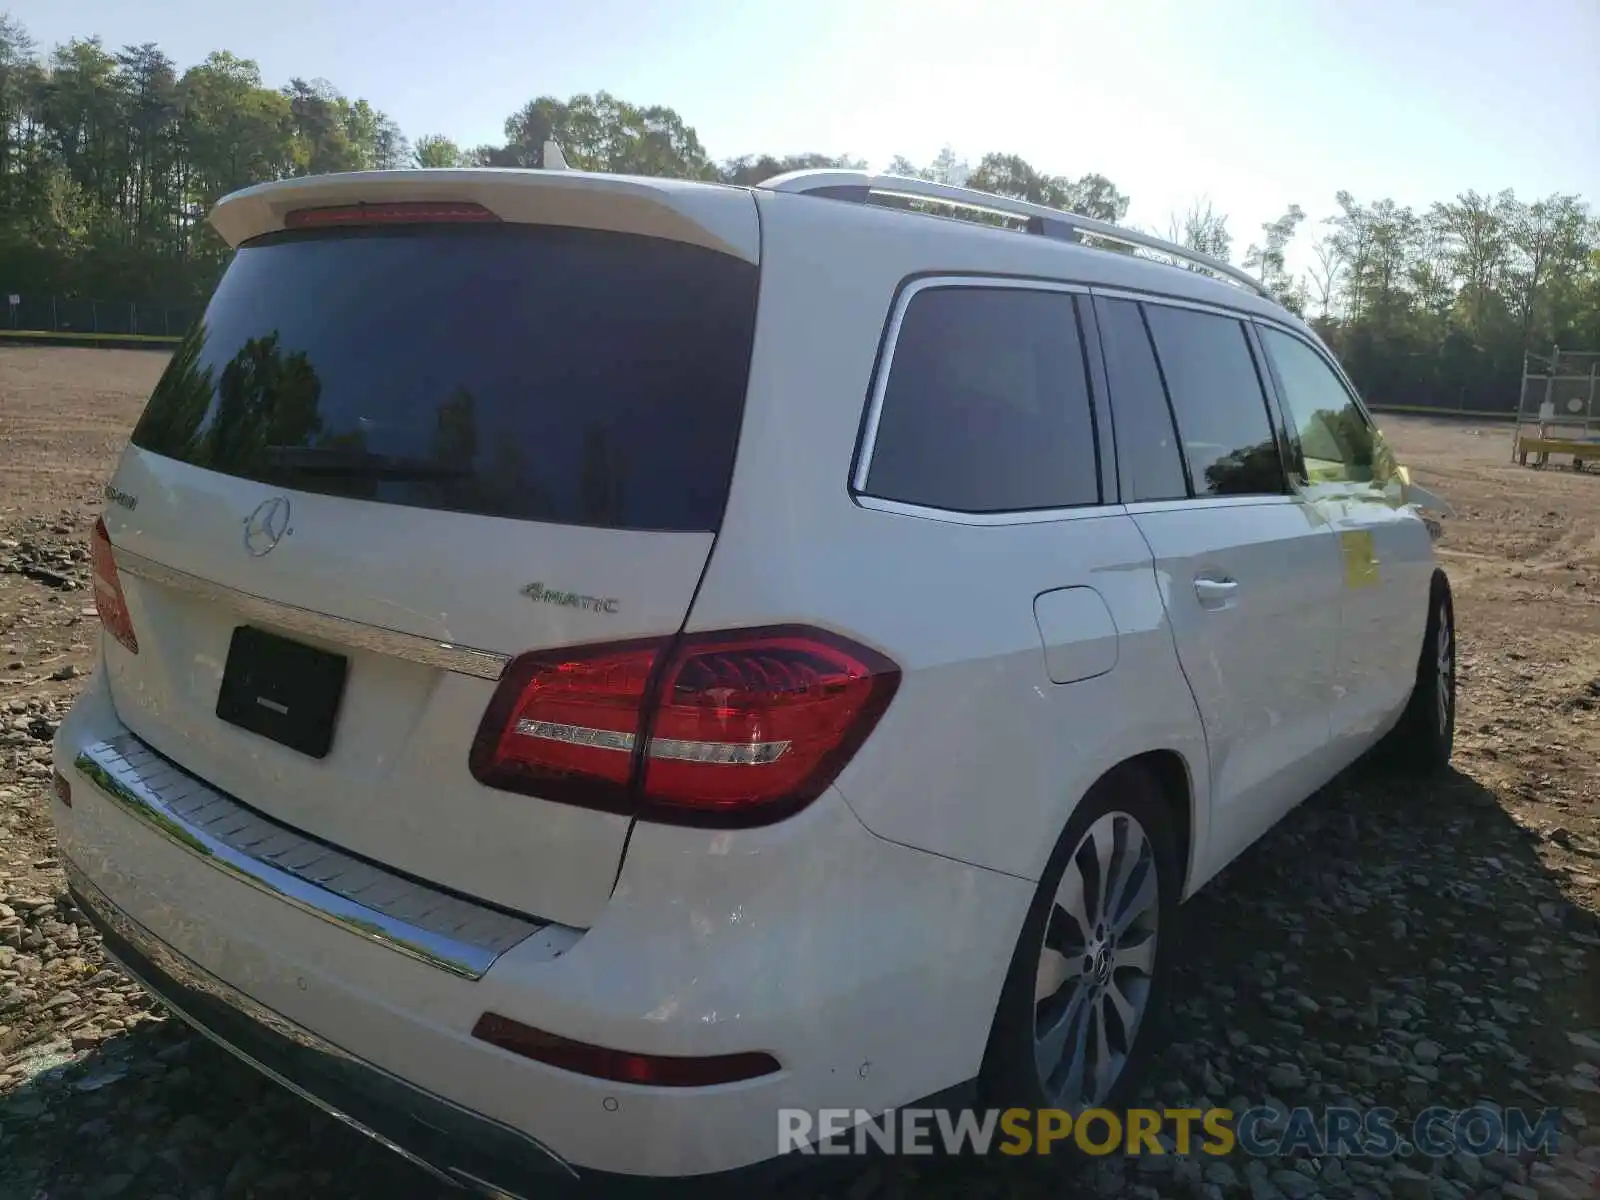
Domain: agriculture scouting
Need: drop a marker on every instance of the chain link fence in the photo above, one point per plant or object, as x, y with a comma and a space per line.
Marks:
74, 315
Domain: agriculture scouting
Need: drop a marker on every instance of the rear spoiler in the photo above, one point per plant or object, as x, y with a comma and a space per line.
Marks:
716, 217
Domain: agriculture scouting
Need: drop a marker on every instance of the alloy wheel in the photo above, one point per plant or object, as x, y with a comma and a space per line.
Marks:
1097, 962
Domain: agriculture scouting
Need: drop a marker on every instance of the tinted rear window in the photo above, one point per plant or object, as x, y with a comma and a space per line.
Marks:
987, 405
548, 374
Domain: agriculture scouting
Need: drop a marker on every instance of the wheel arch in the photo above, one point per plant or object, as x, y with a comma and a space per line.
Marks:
1167, 771
1172, 775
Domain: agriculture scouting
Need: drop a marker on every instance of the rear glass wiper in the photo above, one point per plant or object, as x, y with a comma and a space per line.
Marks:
347, 462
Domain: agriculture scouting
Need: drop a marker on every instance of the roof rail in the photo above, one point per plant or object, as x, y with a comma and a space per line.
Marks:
860, 186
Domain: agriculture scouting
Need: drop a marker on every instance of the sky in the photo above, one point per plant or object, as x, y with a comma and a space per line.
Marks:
1254, 105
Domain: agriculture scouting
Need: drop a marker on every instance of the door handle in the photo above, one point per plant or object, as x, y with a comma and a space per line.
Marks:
1215, 593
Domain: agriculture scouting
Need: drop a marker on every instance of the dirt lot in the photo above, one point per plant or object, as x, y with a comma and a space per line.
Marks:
1392, 943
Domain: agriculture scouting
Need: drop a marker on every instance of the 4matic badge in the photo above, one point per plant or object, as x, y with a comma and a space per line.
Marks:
126, 499
539, 594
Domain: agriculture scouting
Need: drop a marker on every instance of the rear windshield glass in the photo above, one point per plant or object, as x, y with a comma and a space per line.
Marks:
543, 373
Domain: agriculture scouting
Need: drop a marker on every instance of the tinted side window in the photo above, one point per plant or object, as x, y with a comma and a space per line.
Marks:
1335, 439
1147, 444
986, 408
1217, 399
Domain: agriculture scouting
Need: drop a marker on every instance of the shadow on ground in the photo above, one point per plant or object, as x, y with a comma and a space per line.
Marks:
1384, 914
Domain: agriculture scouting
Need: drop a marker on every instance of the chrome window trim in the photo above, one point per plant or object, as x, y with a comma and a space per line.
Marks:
1238, 314
1026, 516
421, 922
1139, 507
880, 386
291, 618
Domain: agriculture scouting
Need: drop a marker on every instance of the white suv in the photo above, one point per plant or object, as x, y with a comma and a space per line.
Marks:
590, 662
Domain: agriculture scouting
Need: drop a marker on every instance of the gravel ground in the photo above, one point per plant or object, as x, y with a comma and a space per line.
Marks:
1392, 943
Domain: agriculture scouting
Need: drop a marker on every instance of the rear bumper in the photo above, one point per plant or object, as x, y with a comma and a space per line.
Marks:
442, 1138
868, 970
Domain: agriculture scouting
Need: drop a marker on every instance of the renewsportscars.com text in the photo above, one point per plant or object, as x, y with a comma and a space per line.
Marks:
1260, 1132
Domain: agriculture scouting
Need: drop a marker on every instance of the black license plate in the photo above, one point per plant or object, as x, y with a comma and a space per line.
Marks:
282, 690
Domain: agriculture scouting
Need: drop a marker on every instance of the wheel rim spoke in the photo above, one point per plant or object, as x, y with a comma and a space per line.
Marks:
1138, 956
1056, 970
1059, 1069
1105, 1066
1127, 1015
1103, 837
1137, 904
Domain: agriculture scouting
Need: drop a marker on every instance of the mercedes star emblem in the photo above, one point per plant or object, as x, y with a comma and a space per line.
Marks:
266, 527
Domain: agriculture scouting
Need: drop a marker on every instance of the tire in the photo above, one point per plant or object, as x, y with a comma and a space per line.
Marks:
1129, 805
1423, 739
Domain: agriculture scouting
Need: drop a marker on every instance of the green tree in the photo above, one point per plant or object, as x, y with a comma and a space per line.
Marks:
1267, 259
602, 133
751, 169
1012, 175
436, 150
1202, 229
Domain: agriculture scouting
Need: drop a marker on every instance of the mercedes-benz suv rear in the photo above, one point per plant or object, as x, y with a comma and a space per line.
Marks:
609, 676
405, 773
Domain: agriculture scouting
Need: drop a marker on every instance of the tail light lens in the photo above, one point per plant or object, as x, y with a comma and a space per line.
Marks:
735, 728
758, 720
108, 599
564, 724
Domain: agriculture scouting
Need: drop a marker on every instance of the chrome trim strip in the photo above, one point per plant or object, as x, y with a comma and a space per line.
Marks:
1218, 307
186, 974
880, 380
463, 660
411, 918
1032, 516
1140, 507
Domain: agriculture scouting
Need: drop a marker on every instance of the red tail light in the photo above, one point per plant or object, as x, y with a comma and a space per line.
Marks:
732, 728
412, 212
564, 724
621, 1066
108, 600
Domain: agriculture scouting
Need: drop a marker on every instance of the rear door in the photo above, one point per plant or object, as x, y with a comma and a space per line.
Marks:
1345, 471
423, 448
1249, 573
